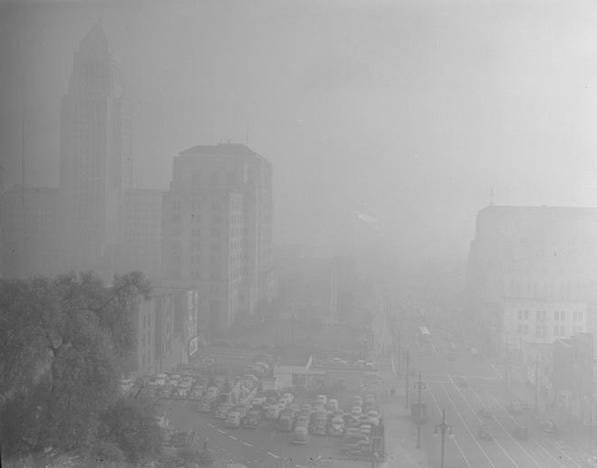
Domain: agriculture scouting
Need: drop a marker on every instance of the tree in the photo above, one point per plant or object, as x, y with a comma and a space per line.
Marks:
131, 424
58, 342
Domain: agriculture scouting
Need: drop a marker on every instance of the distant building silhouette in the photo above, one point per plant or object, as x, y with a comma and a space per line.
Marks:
532, 274
96, 159
217, 229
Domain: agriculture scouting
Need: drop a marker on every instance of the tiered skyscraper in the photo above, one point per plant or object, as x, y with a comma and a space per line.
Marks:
217, 230
96, 159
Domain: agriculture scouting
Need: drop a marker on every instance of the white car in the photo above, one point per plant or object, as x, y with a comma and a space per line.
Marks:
259, 400
356, 411
365, 429
323, 399
332, 405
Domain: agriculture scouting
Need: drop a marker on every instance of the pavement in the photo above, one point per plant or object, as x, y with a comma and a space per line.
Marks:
400, 433
483, 388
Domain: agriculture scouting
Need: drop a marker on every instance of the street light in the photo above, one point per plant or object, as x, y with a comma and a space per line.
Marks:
443, 429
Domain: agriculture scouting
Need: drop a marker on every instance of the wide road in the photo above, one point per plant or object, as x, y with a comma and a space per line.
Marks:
484, 389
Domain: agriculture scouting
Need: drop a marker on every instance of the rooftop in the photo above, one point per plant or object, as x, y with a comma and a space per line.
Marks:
219, 149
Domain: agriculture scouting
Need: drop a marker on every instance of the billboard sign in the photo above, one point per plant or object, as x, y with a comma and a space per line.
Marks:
193, 346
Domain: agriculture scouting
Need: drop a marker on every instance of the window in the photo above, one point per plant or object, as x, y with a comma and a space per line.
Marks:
578, 316
526, 314
520, 315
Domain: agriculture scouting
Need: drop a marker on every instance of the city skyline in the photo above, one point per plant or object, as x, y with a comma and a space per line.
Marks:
347, 77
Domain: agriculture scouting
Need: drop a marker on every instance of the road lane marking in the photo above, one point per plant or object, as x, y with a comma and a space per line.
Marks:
232, 437
466, 426
454, 439
272, 455
565, 454
247, 444
560, 448
505, 410
481, 422
507, 433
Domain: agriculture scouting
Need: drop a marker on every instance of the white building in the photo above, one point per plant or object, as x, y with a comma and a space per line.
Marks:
532, 274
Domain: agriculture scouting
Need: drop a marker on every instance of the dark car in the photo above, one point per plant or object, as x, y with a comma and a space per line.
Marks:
484, 433
460, 381
550, 427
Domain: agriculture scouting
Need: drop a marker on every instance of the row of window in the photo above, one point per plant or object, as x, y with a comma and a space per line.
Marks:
541, 330
558, 315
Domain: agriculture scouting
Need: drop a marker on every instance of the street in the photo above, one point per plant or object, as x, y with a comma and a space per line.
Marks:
483, 388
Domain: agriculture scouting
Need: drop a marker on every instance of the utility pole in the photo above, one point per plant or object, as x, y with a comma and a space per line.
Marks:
536, 383
419, 388
407, 376
443, 428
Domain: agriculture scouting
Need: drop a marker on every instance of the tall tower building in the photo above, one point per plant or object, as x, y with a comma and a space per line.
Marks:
96, 160
217, 231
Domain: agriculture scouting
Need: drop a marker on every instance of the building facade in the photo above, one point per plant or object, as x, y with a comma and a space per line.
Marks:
164, 327
96, 155
532, 274
217, 230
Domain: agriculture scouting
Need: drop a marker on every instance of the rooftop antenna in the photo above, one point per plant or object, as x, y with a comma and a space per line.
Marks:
491, 197
247, 135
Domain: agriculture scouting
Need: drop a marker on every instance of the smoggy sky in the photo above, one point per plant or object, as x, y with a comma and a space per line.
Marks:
409, 111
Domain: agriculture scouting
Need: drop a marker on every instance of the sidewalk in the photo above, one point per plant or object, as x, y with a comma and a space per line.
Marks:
400, 432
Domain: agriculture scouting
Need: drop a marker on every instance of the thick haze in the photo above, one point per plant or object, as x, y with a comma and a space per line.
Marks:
406, 111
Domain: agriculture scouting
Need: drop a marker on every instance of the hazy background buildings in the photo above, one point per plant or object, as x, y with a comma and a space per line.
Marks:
413, 110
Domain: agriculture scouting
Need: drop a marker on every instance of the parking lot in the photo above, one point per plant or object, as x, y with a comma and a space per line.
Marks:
244, 424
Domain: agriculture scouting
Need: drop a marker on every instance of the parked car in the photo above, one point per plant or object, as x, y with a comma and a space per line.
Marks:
336, 427
272, 412
285, 422
252, 419
301, 421
373, 417
222, 411
365, 429
356, 411
322, 399
320, 423
332, 405
259, 399
300, 435
232, 420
